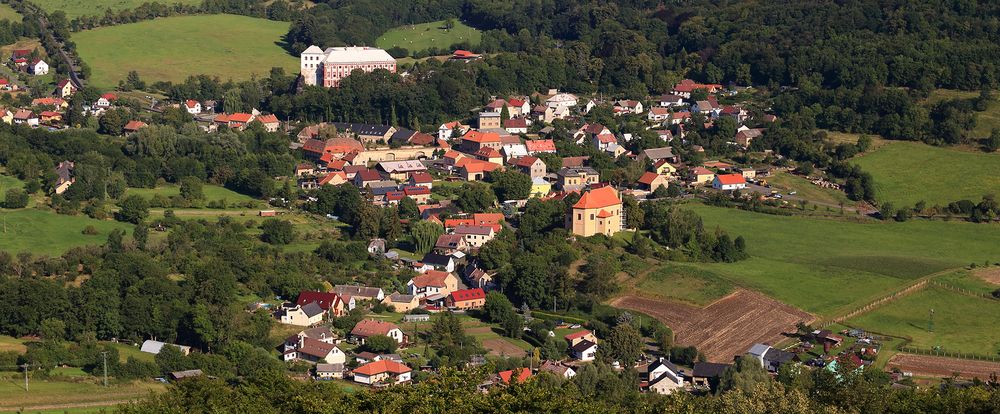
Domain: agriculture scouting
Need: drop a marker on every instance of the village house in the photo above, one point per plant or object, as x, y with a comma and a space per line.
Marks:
658, 115
744, 136
737, 113
50, 117
650, 181
530, 166
558, 369
300, 315
329, 371
663, 167
707, 374
419, 195
466, 299
540, 187
314, 351
576, 337
489, 155
577, 178
328, 301
657, 154
64, 176
473, 141
451, 130
38, 67
513, 150
366, 133
382, 372
332, 148
421, 179
488, 120
769, 358
269, 122
401, 303
701, 175
543, 113
359, 293
65, 88
192, 106
450, 243
627, 107
728, 182
470, 169
367, 328
670, 100
57, 103
432, 282
589, 131
664, 377
599, 211
681, 117
154, 347
400, 170
25, 117
106, 100
7, 116
584, 351
475, 236
433, 261
516, 376
304, 169
333, 178
557, 100
540, 146
686, 86
516, 126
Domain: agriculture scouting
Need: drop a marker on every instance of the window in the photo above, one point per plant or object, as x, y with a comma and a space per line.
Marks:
591, 216
579, 216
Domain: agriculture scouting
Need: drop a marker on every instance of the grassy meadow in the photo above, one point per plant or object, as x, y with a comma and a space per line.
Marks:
8, 13
961, 323
173, 48
67, 391
48, 233
908, 172
785, 183
684, 283
6, 183
827, 267
77, 8
212, 192
419, 37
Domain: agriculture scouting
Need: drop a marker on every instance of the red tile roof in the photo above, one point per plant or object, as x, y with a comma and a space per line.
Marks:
381, 366
134, 125
540, 145
701, 171
481, 137
435, 278
488, 152
421, 177
522, 375
190, 103
468, 294
576, 335
474, 166
372, 327
598, 198
268, 119
730, 179
487, 218
648, 178
524, 162
606, 138
329, 177
240, 117
110, 96
417, 190
515, 123
325, 300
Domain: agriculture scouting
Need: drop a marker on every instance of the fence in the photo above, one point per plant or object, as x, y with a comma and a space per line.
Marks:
878, 302
949, 354
963, 291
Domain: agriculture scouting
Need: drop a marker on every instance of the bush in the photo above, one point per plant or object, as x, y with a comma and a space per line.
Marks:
15, 198
380, 344
89, 230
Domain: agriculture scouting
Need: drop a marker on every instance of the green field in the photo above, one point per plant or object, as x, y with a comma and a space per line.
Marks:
420, 37
829, 266
961, 323
76, 8
684, 283
6, 183
8, 13
172, 48
907, 172
81, 391
212, 193
48, 233
785, 182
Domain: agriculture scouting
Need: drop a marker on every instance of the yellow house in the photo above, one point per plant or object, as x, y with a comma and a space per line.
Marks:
540, 187
401, 303
662, 167
599, 211
8, 116
65, 88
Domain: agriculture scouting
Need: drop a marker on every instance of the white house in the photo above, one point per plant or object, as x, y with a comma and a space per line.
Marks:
315, 351
192, 106
560, 100
658, 115
382, 372
728, 182
106, 100
664, 377
671, 100
370, 327
584, 350
307, 315
451, 129
39, 67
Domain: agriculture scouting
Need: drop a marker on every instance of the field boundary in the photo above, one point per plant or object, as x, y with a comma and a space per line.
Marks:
962, 291
917, 285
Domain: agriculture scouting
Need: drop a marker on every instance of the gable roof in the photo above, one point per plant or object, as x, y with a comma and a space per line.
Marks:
325, 300
433, 278
481, 137
701, 171
381, 366
449, 241
476, 230
372, 327
522, 375
134, 125
438, 260
515, 123
731, 179
577, 335
360, 291
598, 198
539, 145
316, 348
659, 153
468, 294
268, 119
708, 369
648, 178
583, 346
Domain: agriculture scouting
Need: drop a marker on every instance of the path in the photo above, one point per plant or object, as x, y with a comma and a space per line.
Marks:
68, 406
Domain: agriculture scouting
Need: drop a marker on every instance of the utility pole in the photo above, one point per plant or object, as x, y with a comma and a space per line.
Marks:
930, 321
25, 368
104, 357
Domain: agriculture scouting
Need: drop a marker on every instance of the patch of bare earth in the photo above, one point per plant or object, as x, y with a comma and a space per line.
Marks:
989, 274
500, 347
726, 328
935, 366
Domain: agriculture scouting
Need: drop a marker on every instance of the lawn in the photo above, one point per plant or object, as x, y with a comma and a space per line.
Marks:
827, 267
8, 343
173, 48
48, 233
985, 121
908, 172
8, 13
684, 283
52, 392
77, 8
961, 323
212, 193
420, 37
6, 183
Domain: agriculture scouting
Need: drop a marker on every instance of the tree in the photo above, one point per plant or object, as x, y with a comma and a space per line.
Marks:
743, 375
408, 209
624, 344
477, 197
15, 198
497, 305
993, 141
277, 231
191, 189
380, 344
509, 185
425, 235
132, 209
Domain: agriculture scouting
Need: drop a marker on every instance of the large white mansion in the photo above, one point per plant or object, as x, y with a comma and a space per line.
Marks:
328, 67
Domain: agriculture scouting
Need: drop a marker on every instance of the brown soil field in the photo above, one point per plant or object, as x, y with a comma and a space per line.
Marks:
726, 328
989, 274
500, 347
935, 366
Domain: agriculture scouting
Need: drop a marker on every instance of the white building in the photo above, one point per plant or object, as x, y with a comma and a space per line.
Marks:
560, 100
328, 67
39, 67
729, 182
192, 106
664, 377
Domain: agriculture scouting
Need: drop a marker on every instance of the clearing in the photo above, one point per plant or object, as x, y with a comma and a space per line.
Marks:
8, 13
420, 37
77, 8
212, 193
76, 392
990, 275
6, 183
908, 172
48, 233
173, 48
727, 327
961, 323
941, 367
683, 283
827, 267
785, 182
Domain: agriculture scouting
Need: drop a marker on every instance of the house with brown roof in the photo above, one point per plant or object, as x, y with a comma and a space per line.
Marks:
432, 282
269, 121
558, 369
516, 126
472, 141
650, 181
627, 106
64, 174
745, 136
65, 88
314, 351
367, 328
599, 211
471, 169
489, 155
133, 126
540, 146
401, 303
421, 179
25, 117
533, 167
475, 236
451, 243
359, 292
466, 299
382, 372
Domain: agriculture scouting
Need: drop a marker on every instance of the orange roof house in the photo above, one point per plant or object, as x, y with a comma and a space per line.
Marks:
518, 376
